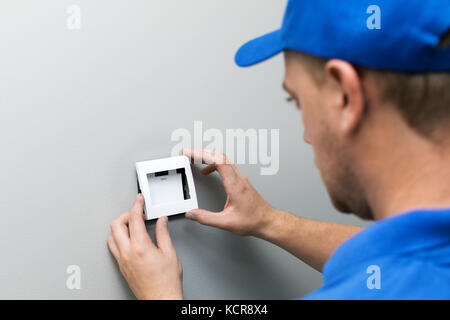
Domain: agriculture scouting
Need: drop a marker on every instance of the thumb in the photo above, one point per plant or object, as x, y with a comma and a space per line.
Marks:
208, 218
163, 240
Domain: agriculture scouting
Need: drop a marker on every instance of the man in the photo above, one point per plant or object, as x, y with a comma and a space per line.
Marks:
376, 108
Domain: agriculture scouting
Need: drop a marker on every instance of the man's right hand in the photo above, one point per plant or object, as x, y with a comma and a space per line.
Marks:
245, 212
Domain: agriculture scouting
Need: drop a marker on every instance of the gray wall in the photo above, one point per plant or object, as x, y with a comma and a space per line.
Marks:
78, 108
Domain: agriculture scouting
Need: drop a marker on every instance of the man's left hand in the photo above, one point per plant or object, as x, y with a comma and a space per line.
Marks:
152, 271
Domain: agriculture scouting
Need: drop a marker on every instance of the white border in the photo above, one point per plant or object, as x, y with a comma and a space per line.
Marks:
144, 168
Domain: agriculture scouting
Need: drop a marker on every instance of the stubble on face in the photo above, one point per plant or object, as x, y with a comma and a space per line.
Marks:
332, 151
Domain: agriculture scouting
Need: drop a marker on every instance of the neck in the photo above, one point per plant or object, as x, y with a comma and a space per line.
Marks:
406, 172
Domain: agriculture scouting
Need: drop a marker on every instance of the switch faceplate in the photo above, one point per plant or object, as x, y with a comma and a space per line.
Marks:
167, 186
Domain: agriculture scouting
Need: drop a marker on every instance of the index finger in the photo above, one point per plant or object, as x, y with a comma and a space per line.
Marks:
227, 171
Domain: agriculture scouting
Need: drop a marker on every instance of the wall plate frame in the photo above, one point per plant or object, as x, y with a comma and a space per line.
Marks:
166, 200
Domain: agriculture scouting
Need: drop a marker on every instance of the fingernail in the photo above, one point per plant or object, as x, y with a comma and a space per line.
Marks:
165, 220
139, 196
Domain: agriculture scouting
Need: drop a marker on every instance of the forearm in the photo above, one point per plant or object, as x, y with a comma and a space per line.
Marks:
311, 241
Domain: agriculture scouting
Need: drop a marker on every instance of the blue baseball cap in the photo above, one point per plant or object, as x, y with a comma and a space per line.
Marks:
398, 35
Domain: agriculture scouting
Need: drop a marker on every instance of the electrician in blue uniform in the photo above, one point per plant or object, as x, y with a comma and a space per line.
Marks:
372, 81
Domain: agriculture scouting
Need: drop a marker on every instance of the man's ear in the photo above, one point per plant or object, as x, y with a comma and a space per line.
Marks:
350, 89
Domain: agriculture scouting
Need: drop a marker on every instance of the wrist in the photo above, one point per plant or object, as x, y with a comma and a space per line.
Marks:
163, 296
267, 221
167, 293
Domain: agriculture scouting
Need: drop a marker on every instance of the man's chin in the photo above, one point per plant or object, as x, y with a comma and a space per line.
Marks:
363, 212
341, 207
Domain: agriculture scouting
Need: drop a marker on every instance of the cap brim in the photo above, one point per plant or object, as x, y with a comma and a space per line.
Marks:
260, 49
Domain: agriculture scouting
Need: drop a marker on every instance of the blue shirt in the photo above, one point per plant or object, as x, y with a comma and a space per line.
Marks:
403, 257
